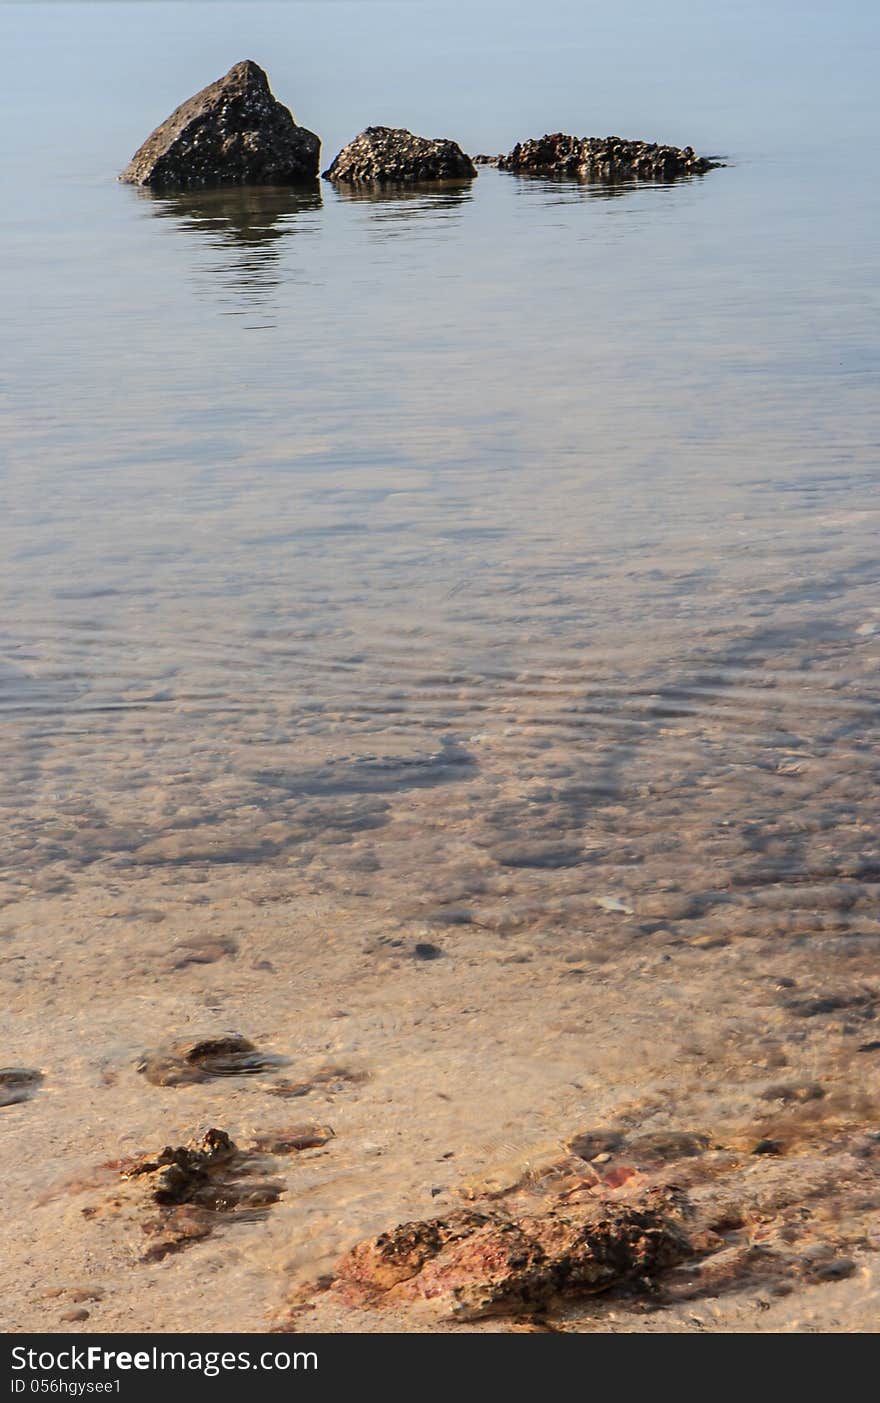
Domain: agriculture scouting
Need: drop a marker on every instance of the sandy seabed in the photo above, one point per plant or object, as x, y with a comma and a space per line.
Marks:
467, 979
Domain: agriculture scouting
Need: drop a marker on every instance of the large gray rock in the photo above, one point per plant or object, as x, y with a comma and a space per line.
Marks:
233, 132
602, 158
392, 156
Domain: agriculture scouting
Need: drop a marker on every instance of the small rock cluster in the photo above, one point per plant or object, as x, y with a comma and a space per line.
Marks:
391, 155
602, 158
234, 132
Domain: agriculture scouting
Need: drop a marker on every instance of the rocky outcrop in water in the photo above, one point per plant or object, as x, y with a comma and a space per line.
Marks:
391, 156
482, 1264
233, 132
602, 158
656, 1219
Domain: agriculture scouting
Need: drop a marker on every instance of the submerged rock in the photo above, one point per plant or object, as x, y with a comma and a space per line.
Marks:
391, 155
186, 1173
603, 158
186, 1060
18, 1084
697, 1221
489, 1263
182, 1194
328, 1079
293, 1139
198, 1186
234, 132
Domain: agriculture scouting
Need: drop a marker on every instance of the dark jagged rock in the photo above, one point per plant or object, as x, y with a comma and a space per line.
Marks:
391, 156
603, 158
186, 1173
234, 132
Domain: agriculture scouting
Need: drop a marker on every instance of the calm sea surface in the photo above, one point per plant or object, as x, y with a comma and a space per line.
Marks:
554, 500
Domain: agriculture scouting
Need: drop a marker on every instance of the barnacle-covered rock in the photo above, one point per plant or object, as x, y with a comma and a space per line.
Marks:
603, 158
393, 156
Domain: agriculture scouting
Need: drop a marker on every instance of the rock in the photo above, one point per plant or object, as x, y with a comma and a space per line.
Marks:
603, 158
183, 1061
198, 1186
329, 1079
708, 1225
390, 156
234, 132
295, 1138
424, 950
185, 1173
18, 1084
794, 1093
767, 1147
182, 1194
489, 1263
590, 1143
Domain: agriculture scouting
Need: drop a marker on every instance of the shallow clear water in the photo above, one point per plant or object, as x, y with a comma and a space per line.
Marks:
555, 504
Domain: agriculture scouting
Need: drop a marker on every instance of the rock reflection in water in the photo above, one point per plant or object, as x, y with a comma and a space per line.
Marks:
246, 223
571, 189
390, 204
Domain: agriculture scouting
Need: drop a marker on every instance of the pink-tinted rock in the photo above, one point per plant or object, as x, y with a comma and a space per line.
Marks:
484, 1263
